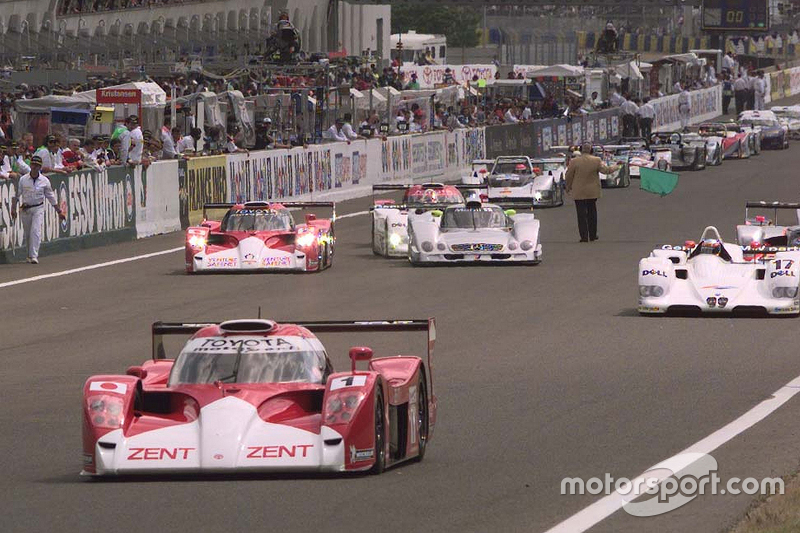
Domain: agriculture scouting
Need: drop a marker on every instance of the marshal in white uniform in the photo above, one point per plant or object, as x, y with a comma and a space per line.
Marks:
32, 192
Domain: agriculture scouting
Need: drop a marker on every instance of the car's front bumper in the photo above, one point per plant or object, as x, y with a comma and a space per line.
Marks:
667, 304
518, 256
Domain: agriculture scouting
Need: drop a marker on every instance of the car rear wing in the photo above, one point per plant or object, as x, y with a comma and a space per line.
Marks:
293, 205
160, 329
775, 206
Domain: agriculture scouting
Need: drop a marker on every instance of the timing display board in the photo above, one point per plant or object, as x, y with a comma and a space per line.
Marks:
739, 15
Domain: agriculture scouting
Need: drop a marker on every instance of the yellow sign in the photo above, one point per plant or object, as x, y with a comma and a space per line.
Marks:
103, 115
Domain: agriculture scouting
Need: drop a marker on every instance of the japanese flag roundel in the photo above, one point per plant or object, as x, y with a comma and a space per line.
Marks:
108, 386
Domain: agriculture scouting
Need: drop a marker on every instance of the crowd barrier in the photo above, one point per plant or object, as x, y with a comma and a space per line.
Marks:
121, 204
536, 138
783, 84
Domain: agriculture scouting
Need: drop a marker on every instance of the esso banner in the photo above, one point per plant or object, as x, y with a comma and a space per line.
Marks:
430, 76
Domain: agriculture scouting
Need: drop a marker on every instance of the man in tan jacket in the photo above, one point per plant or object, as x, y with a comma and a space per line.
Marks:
583, 183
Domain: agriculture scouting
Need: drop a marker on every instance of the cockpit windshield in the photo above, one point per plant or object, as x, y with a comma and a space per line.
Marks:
432, 197
511, 167
474, 218
760, 123
243, 359
257, 220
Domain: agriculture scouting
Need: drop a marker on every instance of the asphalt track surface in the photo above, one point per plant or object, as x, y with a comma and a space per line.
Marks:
541, 372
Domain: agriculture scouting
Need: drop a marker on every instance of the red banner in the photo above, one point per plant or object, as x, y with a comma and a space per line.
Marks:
119, 96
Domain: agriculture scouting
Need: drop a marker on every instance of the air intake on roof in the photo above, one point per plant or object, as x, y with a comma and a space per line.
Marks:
247, 326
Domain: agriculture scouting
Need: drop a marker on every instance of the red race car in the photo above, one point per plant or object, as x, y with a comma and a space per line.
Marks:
258, 396
261, 236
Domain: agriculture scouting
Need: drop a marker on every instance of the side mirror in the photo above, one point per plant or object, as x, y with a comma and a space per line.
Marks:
137, 371
310, 217
436, 213
510, 212
549, 172
359, 353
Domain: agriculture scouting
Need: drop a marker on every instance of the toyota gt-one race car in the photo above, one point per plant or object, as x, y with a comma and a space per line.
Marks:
759, 230
258, 396
713, 276
773, 134
390, 219
519, 181
686, 154
474, 232
261, 236
789, 116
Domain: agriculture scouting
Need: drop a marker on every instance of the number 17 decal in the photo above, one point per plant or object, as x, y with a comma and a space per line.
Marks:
783, 264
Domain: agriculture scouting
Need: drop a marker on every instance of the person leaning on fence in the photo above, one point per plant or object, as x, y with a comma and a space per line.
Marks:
6, 169
334, 133
32, 192
50, 156
583, 184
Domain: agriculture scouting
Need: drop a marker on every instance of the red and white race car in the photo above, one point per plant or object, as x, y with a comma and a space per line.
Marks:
261, 236
258, 396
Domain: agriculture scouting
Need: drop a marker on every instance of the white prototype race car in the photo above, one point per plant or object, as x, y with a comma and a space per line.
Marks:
760, 230
390, 219
474, 232
713, 276
520, 181
790, 117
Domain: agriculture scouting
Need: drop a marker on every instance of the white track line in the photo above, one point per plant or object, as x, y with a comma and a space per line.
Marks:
118, 261
352, 214
89, 267
612, 503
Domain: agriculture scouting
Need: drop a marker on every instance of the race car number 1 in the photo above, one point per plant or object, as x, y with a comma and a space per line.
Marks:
349, 381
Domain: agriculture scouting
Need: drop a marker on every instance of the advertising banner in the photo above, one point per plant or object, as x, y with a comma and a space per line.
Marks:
705, 104
429, 76
204, 181
157, 205
100, 208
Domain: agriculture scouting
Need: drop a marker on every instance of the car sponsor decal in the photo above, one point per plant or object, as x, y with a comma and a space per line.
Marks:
249, 259
108, 386
275, 261
159, 454
652, 272
349, 381
222, 262
278, 452
236, 344
360, 455
719, 287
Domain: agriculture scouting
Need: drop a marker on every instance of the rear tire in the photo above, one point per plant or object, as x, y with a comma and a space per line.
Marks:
380, 434
423, 417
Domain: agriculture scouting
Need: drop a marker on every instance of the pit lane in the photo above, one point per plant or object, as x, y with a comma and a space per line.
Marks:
541, 372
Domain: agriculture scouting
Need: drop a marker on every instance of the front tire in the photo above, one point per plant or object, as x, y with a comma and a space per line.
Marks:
380, 434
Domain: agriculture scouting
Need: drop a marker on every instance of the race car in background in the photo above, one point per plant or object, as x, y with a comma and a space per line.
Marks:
773, 134
474, 232
518, 181
260, 396
261, 236
713, 276
657, 157
390, 219
713, 139
736, 143
614, 154
759, 230
686, 154
790, 117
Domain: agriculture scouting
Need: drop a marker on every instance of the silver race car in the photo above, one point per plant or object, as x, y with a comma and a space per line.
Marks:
687, 154
758, 230
474, 232
790, 116
522, 182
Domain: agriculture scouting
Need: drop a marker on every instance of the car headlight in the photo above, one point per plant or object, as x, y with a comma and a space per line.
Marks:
395, 239
197, 241
512, 246
537, 195
784, 292
306, 239
427, 246
526, 245
441, 246
651, 290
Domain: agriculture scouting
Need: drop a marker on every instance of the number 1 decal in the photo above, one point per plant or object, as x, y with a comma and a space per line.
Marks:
349, 381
